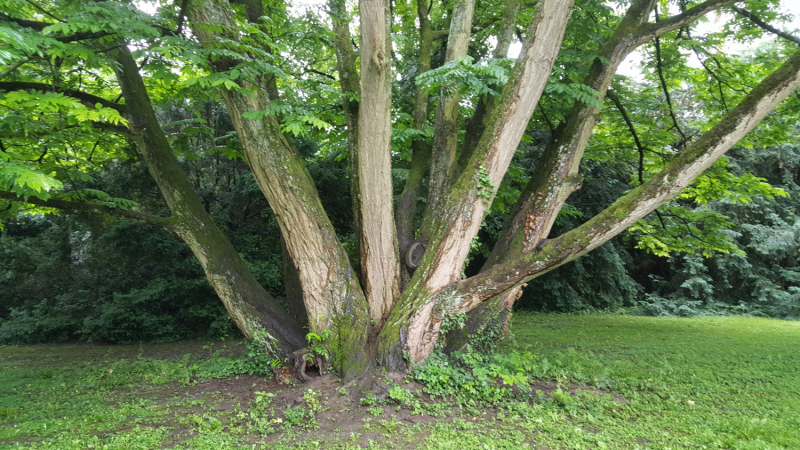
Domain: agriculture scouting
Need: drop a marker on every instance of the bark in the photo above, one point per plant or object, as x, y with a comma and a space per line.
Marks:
380, 269
420, 149
293, 288
475, 125
414, 324
249, 305
556, 176
331, 291
684, 168
445, 137
349, 84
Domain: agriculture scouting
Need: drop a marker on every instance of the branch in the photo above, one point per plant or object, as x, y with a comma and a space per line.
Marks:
753, 18
668, 183
321, 73
87, 99
650, 31
160, 222
44, 10
39, 26
660, 70
182, 15
13, 67
611, 95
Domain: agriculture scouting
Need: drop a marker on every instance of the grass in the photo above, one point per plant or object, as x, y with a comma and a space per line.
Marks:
676, 383
714, 382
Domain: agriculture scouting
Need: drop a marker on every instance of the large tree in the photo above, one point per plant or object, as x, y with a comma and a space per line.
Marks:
82, 75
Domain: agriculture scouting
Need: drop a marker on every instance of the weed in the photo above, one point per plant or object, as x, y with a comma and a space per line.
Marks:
375, 411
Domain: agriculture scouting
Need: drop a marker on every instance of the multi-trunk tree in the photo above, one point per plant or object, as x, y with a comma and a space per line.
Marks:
81, 75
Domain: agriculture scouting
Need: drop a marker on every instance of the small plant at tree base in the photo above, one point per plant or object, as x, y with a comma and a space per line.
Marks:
369, 400
317, 344
296, 416
260, 413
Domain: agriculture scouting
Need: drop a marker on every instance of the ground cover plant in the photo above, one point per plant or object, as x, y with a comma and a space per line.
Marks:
586, 381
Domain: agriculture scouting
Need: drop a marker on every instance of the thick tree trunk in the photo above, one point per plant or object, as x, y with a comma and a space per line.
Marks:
350, 86
413, 327
475, 125
556, 175
253, 310
421, 150
380, 267
668, 183
445, 137
331, 291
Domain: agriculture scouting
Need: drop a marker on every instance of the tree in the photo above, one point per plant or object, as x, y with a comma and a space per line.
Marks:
387, 303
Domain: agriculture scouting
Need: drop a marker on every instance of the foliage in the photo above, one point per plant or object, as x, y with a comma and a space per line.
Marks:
470, 376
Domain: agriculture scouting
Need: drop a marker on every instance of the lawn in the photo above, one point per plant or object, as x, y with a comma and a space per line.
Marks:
599, 381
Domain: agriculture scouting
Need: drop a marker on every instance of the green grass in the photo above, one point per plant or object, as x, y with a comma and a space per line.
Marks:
686, 383
741, 374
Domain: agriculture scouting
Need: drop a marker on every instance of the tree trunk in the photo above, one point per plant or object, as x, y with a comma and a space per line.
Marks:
380, 268
420, 148
253, 310
445, 137
556, 175
331, 291
350, 86
413, 327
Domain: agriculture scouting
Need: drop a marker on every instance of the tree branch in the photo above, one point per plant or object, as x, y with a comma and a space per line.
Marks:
681, 171
160, 222
39, 26
182, 15
756, 20
649, 31
665, 88
86, 98
613, 97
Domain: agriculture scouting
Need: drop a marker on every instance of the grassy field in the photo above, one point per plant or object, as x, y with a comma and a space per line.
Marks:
599, 381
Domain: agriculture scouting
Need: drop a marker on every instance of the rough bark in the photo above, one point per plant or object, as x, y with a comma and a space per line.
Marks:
350, 86
556, 175
420, 148
380, 269
331, 291
445, 135
249, 305
475, 125
414, 324
684, 168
